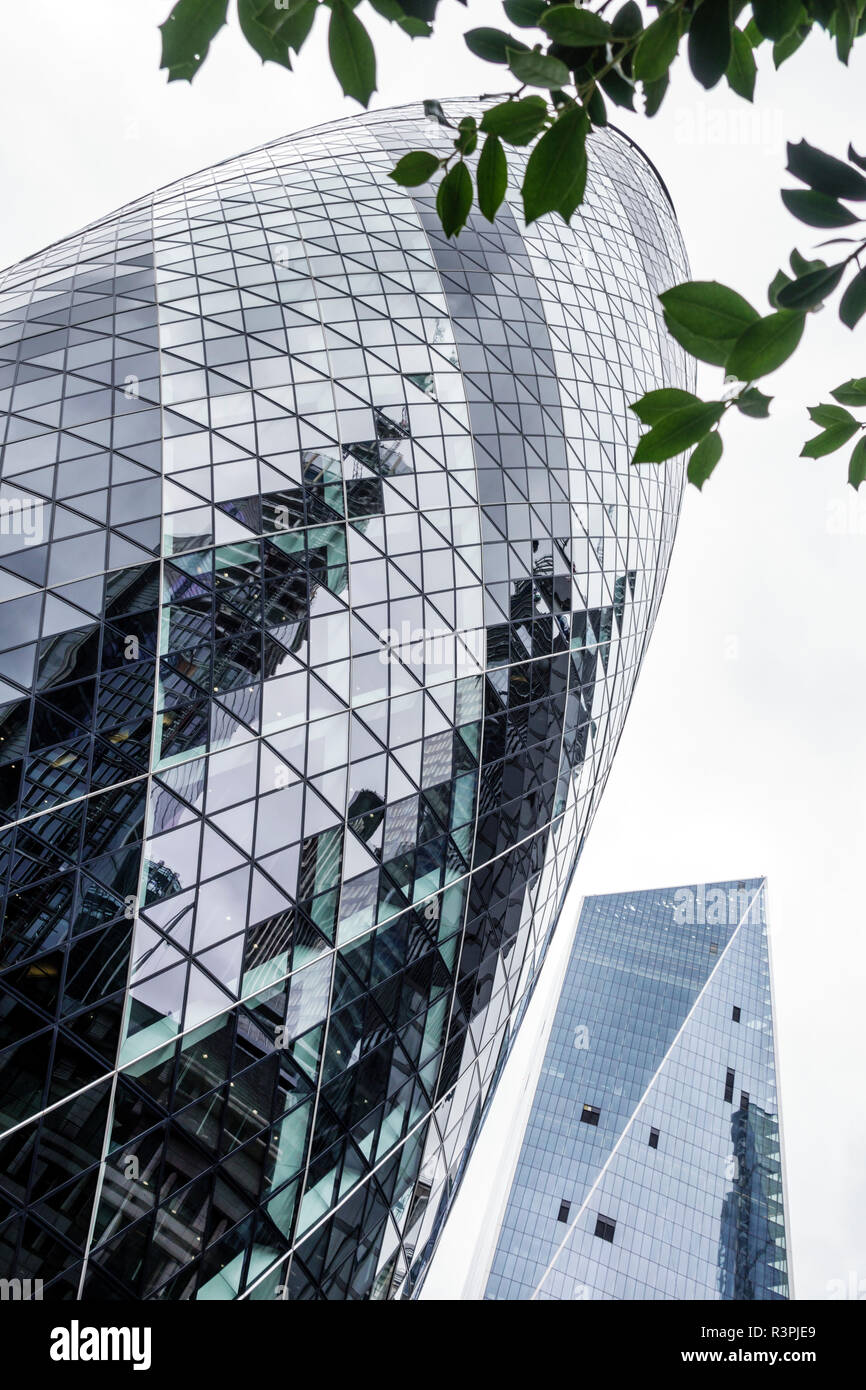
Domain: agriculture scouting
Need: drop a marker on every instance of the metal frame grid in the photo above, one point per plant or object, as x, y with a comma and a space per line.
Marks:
314, 664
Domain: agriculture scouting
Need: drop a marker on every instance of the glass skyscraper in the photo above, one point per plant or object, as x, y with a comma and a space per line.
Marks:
325, 583
651, 1165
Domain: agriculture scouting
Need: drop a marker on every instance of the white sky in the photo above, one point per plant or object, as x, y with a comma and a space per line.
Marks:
745, 750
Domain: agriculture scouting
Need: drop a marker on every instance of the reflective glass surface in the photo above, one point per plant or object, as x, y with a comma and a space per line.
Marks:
325, 581
664, 1027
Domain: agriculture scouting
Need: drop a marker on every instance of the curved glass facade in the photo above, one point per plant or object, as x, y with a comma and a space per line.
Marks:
651, 1166
325, 583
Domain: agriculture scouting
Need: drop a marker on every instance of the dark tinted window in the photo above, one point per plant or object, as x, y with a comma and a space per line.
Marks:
605, 1227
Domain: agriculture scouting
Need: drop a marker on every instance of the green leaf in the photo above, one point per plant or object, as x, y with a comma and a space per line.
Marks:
704, 459
839, 427
299, 23
576, 28
525, 13
776, 18
851, 392
785, 48
831, 416
187, 35
678, 431
351, 51
596, 109
754, 403
658, 47
709, 44
779, 280
627, 22
493, 44
654, 94
393, 11
705, 349
811, 289
454, 199
708, 309
414, 168
827, 442
555, 176
824, 173
467, 138
415, 28
491, 177
618, 88
838, 241
742, 68
753, 34
847, 17
518, 122
538, 69
801, 266
816, 209
262, 27
766, 345
853, 303
856, 158
857, 464
655, 405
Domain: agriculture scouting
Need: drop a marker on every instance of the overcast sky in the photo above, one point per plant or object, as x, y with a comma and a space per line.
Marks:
745, 749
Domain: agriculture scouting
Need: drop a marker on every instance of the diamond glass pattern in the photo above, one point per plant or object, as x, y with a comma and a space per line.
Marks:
325, 584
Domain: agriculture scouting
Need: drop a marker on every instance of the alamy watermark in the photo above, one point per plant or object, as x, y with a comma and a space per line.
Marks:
20, 1290
716, 907
846, 516
851, 1287
422, 646
758, 128
77, 1343
24, 517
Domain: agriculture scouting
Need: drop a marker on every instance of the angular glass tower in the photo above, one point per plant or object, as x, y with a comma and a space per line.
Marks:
651, 1165
325, 583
